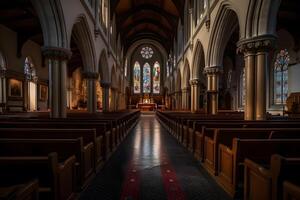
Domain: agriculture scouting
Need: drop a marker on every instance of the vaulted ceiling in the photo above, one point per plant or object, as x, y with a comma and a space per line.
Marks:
150, 19
21, 17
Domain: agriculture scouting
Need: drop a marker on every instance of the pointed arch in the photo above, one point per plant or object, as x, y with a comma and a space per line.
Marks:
52, 21
225, 24
186, 75
198, 62
114, 77
156, 78
83, 38
137, 78
103, 67
178, 81
146, 78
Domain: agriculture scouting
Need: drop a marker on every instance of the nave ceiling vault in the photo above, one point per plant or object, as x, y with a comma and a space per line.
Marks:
147, 19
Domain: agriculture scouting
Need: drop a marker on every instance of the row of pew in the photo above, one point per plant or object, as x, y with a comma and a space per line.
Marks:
252, 160
43, 158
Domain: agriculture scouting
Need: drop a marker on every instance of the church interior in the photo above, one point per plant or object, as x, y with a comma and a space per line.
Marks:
149, 99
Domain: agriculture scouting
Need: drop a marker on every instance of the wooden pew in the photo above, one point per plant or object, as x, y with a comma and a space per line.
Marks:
65, 148
224, 136
91, 145
291, 191
264, 178
24, 191
56, 180
230, 174
199, 135
103, 136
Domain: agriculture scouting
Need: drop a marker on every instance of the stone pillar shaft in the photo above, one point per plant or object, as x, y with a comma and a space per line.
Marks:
256, 57
57, 63
261, 83
91, 78
195, 88
212, 89
250, 86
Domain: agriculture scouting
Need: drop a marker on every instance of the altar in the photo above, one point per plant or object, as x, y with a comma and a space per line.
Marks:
147, 106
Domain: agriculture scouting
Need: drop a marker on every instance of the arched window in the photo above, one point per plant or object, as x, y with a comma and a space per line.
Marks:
29, 69
156, 78
2, 65
137, 78
146, 78
281, 77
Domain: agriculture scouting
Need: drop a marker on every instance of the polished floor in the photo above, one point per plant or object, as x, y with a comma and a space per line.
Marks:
151, 165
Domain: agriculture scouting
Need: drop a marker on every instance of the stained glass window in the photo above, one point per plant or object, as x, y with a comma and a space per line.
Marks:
29, 69
281, 77
146, 78
137, 78
147, 52
156, 78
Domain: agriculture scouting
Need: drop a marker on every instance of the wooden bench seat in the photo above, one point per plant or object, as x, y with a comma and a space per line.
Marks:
56, 180
103, 136
213, 138
65, 148
231, 168
90, 141
264, 178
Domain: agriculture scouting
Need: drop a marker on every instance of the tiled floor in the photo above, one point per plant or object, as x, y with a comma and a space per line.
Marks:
151, 165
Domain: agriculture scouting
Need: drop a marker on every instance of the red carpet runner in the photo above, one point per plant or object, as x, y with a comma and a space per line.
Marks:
172, 188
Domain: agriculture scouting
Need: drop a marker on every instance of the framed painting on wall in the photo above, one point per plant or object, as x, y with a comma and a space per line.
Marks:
15, 88
43, 92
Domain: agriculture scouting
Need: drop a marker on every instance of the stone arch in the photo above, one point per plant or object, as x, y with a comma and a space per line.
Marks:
52, 21
225, 24
186, 75
178, 81
262, 19
103, 67
198, 62
83, 39
114, 79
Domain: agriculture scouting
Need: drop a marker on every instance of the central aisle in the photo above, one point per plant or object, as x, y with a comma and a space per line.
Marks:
151, 165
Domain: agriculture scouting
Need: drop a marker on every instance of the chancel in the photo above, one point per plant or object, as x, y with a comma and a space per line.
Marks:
144, 99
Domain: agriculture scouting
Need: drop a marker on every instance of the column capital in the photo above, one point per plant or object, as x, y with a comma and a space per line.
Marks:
191, 11
57, 53
255, 44
90, 75
105, 84
212, 70
194, 82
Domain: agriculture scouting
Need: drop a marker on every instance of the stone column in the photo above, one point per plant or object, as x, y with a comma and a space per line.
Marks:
195, 89
250, 86
56, 59
212, 89
256, 57
105, 96
261, 66
91, 78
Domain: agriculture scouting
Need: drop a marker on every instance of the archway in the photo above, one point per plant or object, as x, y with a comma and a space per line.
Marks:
178, 97
186, 88
225, 35
198, 82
